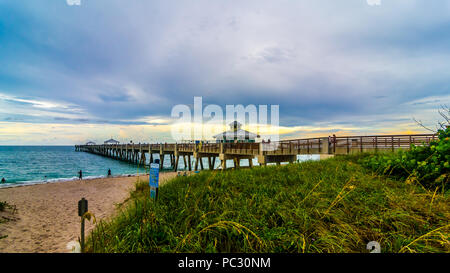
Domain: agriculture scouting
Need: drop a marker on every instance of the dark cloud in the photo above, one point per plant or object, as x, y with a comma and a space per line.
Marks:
115, 62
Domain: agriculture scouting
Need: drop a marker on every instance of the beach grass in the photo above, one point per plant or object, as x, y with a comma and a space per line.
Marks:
6, 211
329, 206
3, 205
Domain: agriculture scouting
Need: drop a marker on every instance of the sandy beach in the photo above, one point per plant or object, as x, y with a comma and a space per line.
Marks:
47, 214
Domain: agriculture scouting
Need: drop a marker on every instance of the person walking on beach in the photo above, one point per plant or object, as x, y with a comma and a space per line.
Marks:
80, 175
109, 172
3, 180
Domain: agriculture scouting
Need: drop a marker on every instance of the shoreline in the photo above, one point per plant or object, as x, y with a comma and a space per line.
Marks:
9, 185
47, 213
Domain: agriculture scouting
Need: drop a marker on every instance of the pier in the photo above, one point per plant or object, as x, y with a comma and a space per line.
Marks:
266, 152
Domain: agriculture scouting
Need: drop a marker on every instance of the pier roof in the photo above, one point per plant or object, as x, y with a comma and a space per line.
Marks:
236, 132
111, 141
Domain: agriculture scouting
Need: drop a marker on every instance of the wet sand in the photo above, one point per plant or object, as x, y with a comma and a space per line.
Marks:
47, 214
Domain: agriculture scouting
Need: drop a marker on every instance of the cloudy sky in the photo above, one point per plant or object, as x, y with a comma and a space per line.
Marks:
112, 68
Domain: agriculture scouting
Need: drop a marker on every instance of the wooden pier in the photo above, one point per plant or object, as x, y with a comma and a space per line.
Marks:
265, 152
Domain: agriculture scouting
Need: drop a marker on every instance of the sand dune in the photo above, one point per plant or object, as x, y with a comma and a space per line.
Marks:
47, 214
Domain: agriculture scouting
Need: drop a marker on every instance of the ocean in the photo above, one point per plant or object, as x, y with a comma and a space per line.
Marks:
25, 165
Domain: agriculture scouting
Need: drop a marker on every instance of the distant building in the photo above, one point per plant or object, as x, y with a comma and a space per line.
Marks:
90, 143
111, 141
235, 134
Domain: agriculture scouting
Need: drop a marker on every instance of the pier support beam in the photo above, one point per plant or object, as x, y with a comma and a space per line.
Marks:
201, 162
209, 163
161, 163
176, 162
185, 163
224, 164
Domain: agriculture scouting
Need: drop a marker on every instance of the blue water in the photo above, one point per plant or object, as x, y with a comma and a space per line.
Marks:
22, 165
39, 164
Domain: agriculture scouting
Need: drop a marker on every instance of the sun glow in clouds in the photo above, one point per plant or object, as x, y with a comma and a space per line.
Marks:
204, 123
329, 76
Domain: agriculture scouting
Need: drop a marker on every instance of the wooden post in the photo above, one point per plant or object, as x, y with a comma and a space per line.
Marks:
392, 143
185, 163
361, 144
189, 162
224, 164
376, 144
348, 146
161, 156
214, 162
176, 163
82, 234
201, 162
82, 209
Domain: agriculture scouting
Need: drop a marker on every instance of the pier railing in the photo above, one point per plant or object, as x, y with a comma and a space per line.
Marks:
320, 145
349, 144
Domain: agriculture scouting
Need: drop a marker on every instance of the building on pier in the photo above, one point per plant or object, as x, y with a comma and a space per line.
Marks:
111, 141
236, 134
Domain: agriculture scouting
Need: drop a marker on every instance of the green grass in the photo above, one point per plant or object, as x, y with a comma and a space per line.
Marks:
330, 206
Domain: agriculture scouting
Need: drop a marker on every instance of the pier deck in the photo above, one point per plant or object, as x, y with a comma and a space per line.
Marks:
266, 152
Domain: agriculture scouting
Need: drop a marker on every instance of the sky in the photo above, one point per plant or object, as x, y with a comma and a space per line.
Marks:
110, 68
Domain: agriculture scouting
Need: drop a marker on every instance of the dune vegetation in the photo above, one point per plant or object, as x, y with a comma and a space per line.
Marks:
426, 165
331, 206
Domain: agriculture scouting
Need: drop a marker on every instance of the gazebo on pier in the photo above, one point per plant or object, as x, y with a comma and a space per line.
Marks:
236, 134
111, 142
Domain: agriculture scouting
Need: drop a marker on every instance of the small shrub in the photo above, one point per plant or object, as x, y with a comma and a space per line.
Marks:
428, 164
